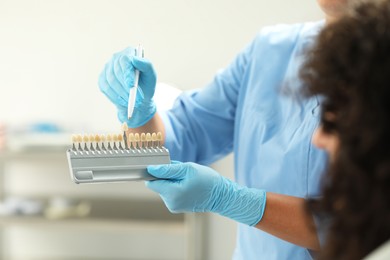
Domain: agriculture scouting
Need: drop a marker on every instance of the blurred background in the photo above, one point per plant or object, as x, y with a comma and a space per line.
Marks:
51, 54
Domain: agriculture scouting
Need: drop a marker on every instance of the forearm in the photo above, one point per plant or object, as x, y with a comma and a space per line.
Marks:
154, 125
190, 187
287, 218
284, 217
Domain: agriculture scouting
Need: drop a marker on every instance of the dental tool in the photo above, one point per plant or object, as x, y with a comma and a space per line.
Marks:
139, 52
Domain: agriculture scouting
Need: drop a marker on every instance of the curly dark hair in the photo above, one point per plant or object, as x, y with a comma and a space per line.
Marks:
349, 69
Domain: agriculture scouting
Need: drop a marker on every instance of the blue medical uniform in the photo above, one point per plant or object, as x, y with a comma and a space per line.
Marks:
255, 109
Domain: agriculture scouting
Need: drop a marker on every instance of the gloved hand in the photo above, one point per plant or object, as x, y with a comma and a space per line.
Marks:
117, 78
192, 187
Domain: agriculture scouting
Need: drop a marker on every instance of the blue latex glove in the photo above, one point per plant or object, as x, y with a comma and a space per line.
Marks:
196, 188
117, 78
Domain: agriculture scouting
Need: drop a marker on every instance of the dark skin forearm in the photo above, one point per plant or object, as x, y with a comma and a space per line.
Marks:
287, 218
284, 217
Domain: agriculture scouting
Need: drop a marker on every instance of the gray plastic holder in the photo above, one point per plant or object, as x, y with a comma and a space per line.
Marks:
120, 165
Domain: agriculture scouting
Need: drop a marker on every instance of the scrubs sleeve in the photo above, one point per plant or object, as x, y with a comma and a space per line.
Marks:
200, 126
322, 224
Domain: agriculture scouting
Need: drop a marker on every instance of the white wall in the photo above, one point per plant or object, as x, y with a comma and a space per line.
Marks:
52, 51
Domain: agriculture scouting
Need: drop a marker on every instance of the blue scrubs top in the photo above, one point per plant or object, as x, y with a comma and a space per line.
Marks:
255, 109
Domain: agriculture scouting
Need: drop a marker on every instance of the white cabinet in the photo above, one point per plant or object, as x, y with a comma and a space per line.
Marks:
125, 220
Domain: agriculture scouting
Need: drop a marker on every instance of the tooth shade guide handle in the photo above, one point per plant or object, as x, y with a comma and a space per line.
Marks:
143, 140
115, 140
137, 140
74, 142
103, 139
120, 140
